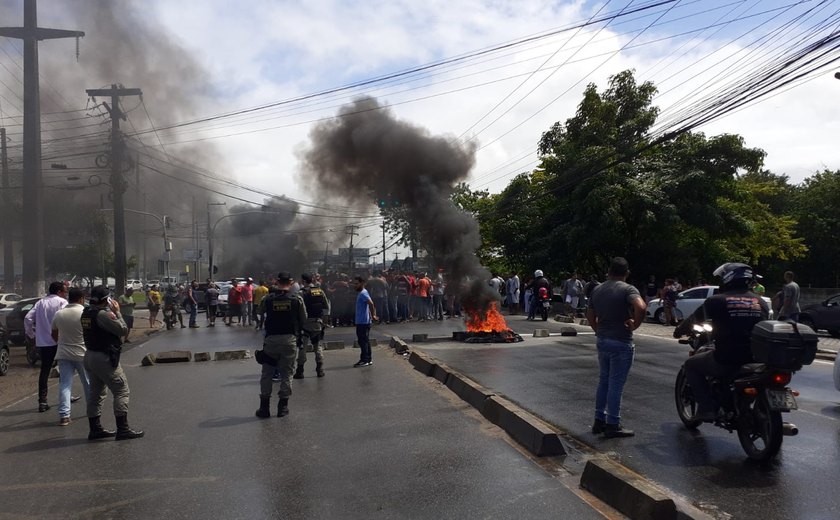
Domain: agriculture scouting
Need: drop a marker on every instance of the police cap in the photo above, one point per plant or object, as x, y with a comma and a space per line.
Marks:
284, 277
99, 294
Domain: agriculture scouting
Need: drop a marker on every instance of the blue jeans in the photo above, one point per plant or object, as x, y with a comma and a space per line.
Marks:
65, 383
615, 357
381, 305
193, 310
363, 336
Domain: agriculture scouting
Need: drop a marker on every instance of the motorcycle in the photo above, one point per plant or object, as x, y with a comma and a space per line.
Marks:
753, 399
543, 302
170, 315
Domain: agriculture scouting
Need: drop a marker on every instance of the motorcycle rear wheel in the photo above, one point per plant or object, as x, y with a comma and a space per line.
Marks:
760, 430
684, 399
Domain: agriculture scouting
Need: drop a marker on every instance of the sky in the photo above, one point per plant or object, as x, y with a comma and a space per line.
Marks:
212, 57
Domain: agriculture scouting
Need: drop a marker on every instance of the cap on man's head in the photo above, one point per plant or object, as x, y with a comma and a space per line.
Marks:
99, 294
284, 277
306, 277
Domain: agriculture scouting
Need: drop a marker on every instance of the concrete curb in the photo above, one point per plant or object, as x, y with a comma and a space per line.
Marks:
626, 491
826, 355
334, 345
201, 356
568, 331
173, 356
540, 333
529, 431
229, 355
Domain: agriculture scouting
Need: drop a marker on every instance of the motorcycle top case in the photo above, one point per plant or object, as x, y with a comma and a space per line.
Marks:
783, 344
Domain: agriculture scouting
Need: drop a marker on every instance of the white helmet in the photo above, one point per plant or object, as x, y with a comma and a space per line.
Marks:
538, 273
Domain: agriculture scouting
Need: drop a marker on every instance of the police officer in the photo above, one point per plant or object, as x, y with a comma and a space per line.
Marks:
733, 313
317, 308
285, 316
102, 328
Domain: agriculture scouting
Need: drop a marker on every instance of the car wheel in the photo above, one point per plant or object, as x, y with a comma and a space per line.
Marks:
4, 360
659, 316
808, 321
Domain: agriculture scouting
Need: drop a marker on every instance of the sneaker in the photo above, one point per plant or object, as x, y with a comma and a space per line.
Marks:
614, 431
363, 364
43, 407
599, 426
183, 326
193, 326
74, 398
64, 421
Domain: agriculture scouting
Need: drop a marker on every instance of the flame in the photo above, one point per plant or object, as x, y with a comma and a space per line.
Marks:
493, 321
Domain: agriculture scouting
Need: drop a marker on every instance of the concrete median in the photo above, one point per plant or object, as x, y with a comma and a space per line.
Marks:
626, 491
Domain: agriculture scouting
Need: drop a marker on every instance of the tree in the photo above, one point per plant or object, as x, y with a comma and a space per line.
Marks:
816, 207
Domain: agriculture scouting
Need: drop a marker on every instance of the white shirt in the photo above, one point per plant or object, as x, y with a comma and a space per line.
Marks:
38, 321
71, 340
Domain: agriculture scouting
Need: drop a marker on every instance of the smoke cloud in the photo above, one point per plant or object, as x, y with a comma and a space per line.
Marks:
366, 153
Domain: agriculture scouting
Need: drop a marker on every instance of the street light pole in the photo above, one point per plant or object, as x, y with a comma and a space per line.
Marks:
210, 239
166, 247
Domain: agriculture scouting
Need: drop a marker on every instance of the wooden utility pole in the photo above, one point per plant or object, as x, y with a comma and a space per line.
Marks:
33, 224
118, 183
8, 251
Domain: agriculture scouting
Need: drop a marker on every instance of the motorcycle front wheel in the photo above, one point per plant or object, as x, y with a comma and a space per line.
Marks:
684, 399
760, 429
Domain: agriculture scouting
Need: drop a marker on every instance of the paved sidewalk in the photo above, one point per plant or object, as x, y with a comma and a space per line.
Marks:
377, 442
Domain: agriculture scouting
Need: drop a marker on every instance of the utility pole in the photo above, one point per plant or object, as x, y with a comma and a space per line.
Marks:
8, 250
383, 247
118, 184
326, 258
33, 225
210, 240
352, 233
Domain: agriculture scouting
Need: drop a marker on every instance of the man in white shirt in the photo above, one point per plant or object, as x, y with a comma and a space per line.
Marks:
38, 326
70, 354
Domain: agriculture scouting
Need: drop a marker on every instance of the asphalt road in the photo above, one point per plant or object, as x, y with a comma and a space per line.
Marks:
377, 442
555, 378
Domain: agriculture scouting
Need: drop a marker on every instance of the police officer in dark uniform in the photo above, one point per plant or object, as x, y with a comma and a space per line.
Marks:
317, 310
285, 316
103, 328
733, 314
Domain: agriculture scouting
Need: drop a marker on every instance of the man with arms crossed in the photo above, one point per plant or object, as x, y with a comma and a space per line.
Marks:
615, 310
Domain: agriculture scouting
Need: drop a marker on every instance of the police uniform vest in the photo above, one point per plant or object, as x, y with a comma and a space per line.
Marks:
96, 338
314, 299
281, 314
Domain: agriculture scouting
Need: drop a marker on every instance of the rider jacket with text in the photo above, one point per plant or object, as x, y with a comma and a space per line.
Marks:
733, 315
282, 312
96, 338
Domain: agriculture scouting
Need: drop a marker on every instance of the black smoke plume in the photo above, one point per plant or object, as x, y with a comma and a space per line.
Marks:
366, 153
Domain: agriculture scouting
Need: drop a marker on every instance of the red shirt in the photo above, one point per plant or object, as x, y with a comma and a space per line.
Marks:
235, 296
423, 285
248, 292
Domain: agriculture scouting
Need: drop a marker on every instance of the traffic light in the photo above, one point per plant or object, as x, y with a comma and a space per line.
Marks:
387, 201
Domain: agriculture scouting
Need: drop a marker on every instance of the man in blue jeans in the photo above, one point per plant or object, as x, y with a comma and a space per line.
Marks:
365, 314
615, 310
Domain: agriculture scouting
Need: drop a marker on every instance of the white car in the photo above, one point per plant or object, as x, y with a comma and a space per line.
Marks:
137, 285
7, 300
687, 303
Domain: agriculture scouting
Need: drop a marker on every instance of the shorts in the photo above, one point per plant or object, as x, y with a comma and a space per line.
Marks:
154, 308
234, 310
573, 300
212, 310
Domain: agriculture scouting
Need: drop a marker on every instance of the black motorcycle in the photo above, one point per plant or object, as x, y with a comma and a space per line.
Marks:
170, 315
753, 399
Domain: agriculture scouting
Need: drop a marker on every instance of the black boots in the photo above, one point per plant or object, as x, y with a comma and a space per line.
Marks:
298, 372
319, 369
599, 426
97, 431
283, 407
263, 412
123, 430
613, 431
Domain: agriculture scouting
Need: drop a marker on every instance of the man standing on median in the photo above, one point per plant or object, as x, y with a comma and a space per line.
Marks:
615, 310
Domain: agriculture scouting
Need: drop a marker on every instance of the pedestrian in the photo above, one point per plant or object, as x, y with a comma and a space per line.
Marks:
211, 299
611, 304
260, 292
191, 303
669, 301
127, 305
403, 290
572, 289
102, 328
513, 288
38, 326
70, 352
378, 289
153, 302
438, 291
756, 285
790, 303
317, 309
589, 287
248, 302
285, 316
424, 285
651, 290
365, 315
234, 303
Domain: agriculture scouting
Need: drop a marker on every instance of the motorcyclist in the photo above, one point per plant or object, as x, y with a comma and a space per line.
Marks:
539, 282
170, 304
733, 313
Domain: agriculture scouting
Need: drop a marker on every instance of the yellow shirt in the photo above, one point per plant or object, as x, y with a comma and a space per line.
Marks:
259, 293
154, 297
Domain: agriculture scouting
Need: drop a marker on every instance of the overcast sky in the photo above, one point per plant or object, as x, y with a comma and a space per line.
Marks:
260, 52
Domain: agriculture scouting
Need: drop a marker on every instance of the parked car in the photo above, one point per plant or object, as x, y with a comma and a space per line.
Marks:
4, 352
137, 285
224, 288
687, 303
15, 334
823, 316
8, 299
